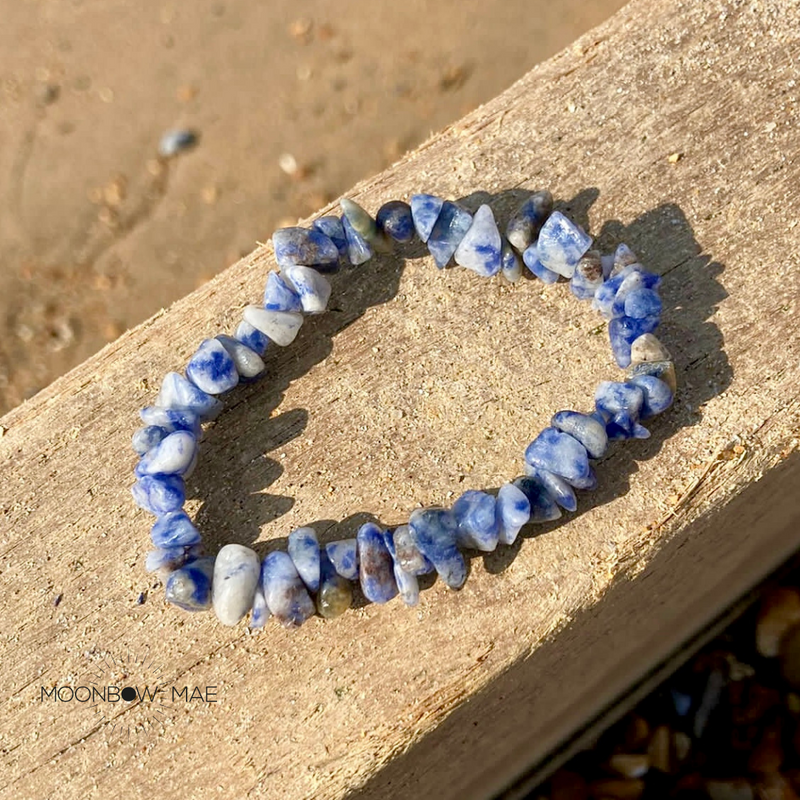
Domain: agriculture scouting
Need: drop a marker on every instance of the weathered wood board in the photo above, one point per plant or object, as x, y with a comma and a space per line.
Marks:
674, 127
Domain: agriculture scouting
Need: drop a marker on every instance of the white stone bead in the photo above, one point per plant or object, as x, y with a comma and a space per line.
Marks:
280, 326
648, 348
173, 455
177, 392
303, 547
236, 574
248, 363
480, 248
314, 289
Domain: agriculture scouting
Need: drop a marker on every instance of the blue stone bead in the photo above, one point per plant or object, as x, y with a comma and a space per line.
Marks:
211, 368
146, 438
406, 554
303, 549
450, 228
481, 248
425, 209
560, 453
259, 613
620, 342
581, 288
625, 282
543, 507
634, 278
663, 370
159, 494
314, 289
657, 395
376, 566
624, 426
177, 392
531, 260
176, 454
623, 331
332, 227
306, 246
608, 300
513, 512
590, 432
556, 487
359, 218
168, 559
394, 219
621, 403
434, 531
407, 586
388, 540
252, 337
510, 263
361, 222
279, 296
335, 593
280, 327
344, 557
358, 249
174, 529
638, 327
588, 276
650, 280
286, 595
407, 583
189, 587
478, 527
642, 303
604, 298
611, 397
623, 257
524, 226
248, 363
589, 483
561, 244
172, 419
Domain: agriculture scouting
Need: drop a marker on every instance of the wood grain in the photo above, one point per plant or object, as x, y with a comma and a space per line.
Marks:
673, 127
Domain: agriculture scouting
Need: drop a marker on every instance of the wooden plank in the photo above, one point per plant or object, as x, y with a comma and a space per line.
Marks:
418, 385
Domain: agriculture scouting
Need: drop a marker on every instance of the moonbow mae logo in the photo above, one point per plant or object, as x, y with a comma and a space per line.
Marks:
127, 695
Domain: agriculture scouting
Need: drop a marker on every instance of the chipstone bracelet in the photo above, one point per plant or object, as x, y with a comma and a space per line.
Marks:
293, 585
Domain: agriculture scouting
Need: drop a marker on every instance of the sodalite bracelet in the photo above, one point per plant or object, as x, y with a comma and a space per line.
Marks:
293, 585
